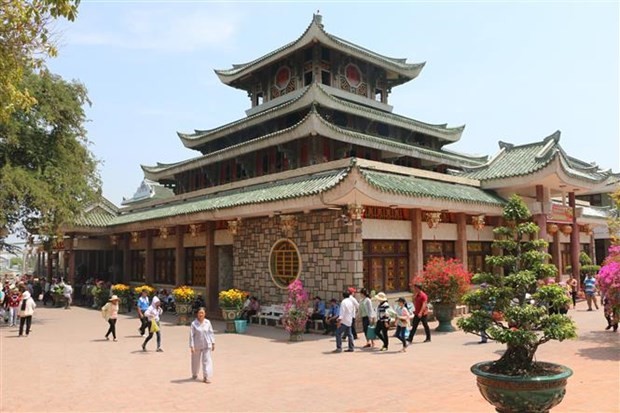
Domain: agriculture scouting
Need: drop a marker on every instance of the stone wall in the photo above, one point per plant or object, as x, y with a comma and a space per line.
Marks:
331, 255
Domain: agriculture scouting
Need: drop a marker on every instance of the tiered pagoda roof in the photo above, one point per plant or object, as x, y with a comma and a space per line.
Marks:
399, 71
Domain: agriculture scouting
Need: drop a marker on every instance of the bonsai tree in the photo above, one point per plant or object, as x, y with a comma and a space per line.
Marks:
519, 296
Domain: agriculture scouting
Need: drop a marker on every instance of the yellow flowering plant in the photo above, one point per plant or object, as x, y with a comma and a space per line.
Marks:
232, 298
149, 290
184, 294
121, 290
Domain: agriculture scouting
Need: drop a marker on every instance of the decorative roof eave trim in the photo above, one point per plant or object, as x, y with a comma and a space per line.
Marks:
312, 124
317, 94
551, 143
315, 33
554, 167
494, 158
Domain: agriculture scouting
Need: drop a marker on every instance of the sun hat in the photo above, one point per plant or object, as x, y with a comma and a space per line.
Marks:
381, 296
114, 298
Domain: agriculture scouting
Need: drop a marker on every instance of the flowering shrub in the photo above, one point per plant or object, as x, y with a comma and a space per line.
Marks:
444, 280
121, 290
184, 294
233, 298
296, 308
608, 278
149, 290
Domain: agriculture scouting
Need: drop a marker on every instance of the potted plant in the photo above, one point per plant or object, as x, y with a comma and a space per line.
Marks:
445, 282
149, 290
124, 293
514, 309
184, 297
296, 311
608, 281
231, 303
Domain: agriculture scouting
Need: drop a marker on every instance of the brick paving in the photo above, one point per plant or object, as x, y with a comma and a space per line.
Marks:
66, 365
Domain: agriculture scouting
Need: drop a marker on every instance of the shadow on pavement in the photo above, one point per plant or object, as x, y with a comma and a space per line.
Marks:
181, 381
600, 353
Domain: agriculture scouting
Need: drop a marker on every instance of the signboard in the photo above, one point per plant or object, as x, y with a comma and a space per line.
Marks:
560, 213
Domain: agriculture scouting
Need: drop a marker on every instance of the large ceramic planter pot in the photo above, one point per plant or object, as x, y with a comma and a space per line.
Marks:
444, 313
296, 336
59, 300
184, 312
512, 394
229, 315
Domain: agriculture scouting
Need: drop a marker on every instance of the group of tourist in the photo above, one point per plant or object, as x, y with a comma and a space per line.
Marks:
18, 304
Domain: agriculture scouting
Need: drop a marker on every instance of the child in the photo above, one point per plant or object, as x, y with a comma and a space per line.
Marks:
201, 344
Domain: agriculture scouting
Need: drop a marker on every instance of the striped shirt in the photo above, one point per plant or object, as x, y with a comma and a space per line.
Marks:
590, 285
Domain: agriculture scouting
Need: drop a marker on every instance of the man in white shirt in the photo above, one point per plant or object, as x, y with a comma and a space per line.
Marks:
345, 321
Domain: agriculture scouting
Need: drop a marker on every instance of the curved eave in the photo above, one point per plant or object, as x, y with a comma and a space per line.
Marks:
312, 124
315, 33
316, 94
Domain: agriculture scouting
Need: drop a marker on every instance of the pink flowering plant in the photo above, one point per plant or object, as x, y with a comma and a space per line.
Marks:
608, 278
296, 308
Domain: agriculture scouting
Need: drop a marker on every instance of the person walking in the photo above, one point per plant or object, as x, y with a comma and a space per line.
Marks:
13, 304
356, 306
368, 316
67, 292
110, 313
142, 305
152, 313
420, 313
345, 320
201, 344
590, 291
573, 291
402, 321
26, 310
383, 320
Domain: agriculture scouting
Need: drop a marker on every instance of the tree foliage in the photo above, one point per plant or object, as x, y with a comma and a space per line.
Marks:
25, 41
47, 172
515, 309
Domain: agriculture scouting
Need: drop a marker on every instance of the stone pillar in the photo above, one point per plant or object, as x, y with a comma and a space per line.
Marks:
211, 278
556, 252
592, 247
149, 264
71, 251
126, 240
574, 238
50, 258
180, 256
416, 255
461, 238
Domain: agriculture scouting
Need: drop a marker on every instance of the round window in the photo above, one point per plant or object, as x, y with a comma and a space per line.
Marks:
353, 75
283, 77
284, 263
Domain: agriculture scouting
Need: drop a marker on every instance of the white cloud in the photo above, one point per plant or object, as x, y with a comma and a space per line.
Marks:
162, 31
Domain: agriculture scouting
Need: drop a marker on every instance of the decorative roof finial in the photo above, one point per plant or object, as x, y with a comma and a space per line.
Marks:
318, 19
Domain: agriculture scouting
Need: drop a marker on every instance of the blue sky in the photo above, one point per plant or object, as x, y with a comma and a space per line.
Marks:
515, 72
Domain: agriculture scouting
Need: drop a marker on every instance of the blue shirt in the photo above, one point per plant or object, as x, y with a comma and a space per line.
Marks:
590, 285
319, 308
334, 310
143, 303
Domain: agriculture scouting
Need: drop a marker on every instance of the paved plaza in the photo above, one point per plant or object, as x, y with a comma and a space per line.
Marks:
67, 365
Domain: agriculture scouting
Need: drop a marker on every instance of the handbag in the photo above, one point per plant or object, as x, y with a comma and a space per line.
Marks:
154, 327
371, 333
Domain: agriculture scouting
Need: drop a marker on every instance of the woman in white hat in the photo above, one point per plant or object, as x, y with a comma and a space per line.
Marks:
110, 313
383, 319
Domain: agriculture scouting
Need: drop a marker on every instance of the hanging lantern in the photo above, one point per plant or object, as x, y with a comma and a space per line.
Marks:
193, 230
113, 239
134, 236
233, 226
552, 228
163, 232
477, 221
355, 212
433, 219
288, 223
567, 229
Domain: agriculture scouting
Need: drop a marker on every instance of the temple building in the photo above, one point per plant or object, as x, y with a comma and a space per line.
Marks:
323, 181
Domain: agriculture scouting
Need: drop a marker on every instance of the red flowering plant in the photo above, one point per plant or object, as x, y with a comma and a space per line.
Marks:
296, 308
608, 280
444, 281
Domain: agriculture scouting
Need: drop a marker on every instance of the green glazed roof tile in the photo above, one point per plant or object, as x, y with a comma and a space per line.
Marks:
426, 188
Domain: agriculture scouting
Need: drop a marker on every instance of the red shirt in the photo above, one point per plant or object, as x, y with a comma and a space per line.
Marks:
419, 301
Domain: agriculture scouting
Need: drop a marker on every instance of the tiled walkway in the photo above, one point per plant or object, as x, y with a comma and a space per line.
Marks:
66, 365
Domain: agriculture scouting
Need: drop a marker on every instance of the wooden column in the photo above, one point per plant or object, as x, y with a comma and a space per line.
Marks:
126, 242
461, 238
180, 256
50, 258
71, 274
556, 252
149, 265
574, 238
416, 257
211, 278
592, 248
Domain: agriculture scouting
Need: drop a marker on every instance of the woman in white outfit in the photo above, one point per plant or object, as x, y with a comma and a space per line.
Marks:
201, 344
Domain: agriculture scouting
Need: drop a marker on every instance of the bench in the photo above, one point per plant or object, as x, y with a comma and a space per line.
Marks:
270, 313
317, 325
